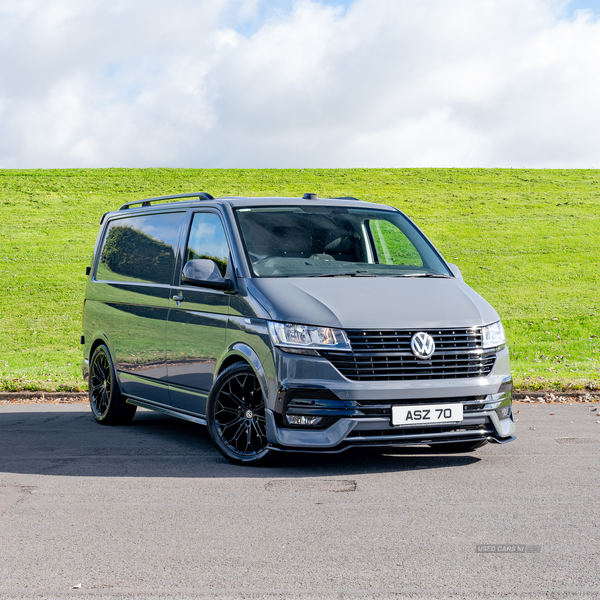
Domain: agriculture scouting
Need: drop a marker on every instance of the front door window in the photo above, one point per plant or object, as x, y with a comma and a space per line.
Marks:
207, 240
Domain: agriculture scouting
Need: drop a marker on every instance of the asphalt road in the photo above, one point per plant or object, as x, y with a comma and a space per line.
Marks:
152, 511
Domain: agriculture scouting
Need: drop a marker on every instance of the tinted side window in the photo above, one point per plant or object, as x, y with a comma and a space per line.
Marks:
207, 240
140, 249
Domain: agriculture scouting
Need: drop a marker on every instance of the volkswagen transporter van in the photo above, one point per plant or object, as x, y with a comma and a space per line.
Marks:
290, 324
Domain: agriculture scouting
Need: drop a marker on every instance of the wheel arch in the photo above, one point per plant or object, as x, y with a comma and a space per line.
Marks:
97, 342
102, 341
232, 359
240, 352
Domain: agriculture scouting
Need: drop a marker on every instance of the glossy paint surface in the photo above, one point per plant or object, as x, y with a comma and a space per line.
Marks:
373, 302
195, 340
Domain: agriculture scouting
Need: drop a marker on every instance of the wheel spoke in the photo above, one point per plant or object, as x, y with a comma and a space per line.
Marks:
238, 433
102, 370
103, 401
97, 386
240, 396
248, 437
260, 425
231, 423
250, 383
259, 431
226, 409
241, 381
234, 397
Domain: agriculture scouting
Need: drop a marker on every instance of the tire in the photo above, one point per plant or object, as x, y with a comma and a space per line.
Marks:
108, 405
455, 447
235, 414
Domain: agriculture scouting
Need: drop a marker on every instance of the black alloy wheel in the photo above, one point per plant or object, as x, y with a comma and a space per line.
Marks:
108, 405
236, 417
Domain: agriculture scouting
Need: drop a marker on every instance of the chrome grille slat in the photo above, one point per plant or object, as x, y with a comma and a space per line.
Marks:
374, 359
406, 350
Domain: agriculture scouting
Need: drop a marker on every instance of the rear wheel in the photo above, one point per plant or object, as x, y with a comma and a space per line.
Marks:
236, 417
456, 447
108, 405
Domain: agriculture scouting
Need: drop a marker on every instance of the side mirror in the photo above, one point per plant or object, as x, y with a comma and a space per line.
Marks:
455, 271
203, 272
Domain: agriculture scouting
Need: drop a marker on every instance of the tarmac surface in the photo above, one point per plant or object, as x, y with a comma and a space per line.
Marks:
152, 510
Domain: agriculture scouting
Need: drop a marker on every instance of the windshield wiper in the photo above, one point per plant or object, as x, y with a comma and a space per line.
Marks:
422, 275
348, 274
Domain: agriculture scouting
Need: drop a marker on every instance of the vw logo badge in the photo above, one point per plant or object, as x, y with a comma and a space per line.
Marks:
422, 345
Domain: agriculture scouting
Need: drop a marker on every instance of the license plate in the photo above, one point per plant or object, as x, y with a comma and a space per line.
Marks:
427, 414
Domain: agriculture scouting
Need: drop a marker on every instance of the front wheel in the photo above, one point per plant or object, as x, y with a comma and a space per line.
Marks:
456, 447
235, 414
108, 405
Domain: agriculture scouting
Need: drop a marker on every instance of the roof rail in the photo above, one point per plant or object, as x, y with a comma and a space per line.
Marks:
313, 196
149, 201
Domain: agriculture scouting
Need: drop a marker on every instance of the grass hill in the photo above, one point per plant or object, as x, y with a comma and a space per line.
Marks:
527, 240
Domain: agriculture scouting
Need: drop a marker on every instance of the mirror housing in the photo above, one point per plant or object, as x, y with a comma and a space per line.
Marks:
203, 272
455, 271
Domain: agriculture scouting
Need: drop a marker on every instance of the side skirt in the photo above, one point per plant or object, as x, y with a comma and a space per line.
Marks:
166, 411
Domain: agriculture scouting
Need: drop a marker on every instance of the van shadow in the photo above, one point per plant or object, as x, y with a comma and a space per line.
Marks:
47, 441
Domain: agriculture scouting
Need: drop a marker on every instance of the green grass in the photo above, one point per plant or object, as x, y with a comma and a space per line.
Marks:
527, 240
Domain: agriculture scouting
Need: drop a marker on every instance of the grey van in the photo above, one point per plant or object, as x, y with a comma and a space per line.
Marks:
290, 324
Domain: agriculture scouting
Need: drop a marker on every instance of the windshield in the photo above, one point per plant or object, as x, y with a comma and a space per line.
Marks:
328, 241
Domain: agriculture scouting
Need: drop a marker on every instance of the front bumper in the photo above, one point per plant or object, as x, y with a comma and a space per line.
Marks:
478, 424
359, 413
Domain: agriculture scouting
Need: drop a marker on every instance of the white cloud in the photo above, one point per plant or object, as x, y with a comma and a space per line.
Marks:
375, 83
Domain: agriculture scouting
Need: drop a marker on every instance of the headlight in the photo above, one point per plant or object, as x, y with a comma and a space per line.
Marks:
493, 335
306, 337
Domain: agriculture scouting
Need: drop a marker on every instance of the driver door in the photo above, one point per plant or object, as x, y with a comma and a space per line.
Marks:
197, 321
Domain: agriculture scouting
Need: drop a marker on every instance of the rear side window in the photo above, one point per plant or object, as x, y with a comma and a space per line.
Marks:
140, 249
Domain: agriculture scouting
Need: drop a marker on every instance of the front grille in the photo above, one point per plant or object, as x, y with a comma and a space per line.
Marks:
426, 432
379, 408
302, 403
386, 356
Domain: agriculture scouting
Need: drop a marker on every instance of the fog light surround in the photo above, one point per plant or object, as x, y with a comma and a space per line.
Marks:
501, 403
493, 401
303, 420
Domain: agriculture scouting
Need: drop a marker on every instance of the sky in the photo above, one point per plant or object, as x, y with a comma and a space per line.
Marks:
299, 83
